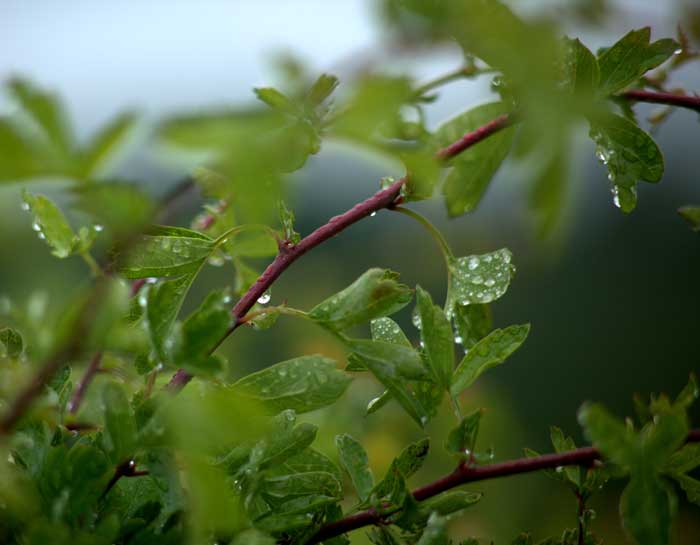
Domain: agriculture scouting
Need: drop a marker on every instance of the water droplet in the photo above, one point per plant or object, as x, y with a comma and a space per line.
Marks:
151, 280
559, 469
490, 282
41, 235
473, 263
97, 227
459, 340
264, 298
25, 206
678, 51
282, 372
477, 280
423, 420
36, 226
373, 214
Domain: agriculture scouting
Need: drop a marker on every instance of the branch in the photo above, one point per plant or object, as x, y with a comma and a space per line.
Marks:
585, 456
670, 99
80, 390
386, 198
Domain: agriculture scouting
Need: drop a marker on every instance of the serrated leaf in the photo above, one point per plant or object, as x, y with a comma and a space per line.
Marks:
492, 350
630, 58
691, 214
438, 341
105, 145
354, 460
51, 224
462, 439
615, 440
480, 278
561, 443
472, 169
303, 384
119, 436
690, 486
472, 323
629, 154
164, 301
646, 510
374, 294
11, 339
165, 253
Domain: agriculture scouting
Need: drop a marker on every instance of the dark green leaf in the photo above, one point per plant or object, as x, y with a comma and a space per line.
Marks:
462, 439
354, 460
451, 502
691, 214
374, 294
492, 350
646, 510
164, 301
438, 342
473, 169
690, 486
472, 323
684, 460
303, 384
630, 58
119, 436
629, 153
283, 445
303, 484
404, 359
480, 278
12, 341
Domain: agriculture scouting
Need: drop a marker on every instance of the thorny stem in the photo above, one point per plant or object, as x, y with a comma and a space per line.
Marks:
463, 474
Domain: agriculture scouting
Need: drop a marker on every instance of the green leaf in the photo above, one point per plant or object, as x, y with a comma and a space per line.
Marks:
581, 71
121, 207
11, 339
438, 342
690, 486
472, 169
166, 252
615, 440
164, 301
387, 330
492, 350
451, 502
561, 443
354, 460
287, 220
435, 532
663, 436
461, 440
374, 294
303, 484
386, 372
275, 99
646, 510
20, 158
45, 111
404, 359
472, 323
303, 384
105, 145
629, 153
119, 437
412, 457
480, 278
322, 88
51, 224
630, 58
683, 460
691, 214
283, 445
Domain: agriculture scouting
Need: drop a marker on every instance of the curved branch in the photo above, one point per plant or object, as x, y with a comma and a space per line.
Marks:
463, 474
670, 99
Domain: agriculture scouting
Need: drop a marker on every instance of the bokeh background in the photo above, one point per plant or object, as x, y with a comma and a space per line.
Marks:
614, 300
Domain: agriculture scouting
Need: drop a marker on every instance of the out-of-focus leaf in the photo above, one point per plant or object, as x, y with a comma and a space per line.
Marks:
691, 487
630, 58
629, 153
646, 510
11, 339
322, 88
472, 169
121, 207
354, 460
119, 437
105, 145
492, 350
462, 439
51, 225
435, 533
480, 278
684, 460
303, 384
472, 323
691, 214
275, 99
302, 484
374, 294
611, 436
561, 443
166, 252
450, 502
285, 444
436, 334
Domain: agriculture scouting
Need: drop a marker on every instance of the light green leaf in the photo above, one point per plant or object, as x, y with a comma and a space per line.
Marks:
275, 99
629, 154
691, 214
404, 359
51, 225
615, 440
462, 439
581, 71
630, 58
303, 484
492, 350
374, 294
480, 278
646, 510
354, 460
11, 339
166, 252
561, 443
472, 169
105, 145
287, 221
119, 437
451, 502
436, 334
322, 88
387, 330
472, 323
303, 384
121, 207
164, 301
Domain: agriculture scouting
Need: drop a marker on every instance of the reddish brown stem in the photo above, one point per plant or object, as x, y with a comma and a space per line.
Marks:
466, 474
471, 138
90, 372
671, 99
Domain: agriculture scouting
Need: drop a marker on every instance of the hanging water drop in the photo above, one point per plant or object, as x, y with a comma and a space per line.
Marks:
459, 340
373, 214
25, 206
264, 298
36, 226
97, 227
41, 235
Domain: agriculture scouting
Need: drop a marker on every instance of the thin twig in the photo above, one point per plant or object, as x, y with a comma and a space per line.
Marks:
90, 372
671, 99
